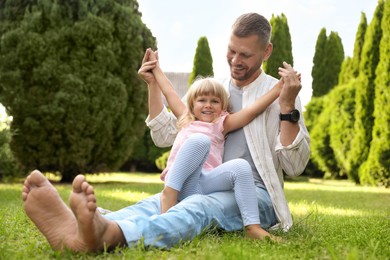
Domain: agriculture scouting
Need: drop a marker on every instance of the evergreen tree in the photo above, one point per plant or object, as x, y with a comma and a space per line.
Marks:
346, 71
334, 57
282, 46
341, 114
68, 76
376, 170
358, 46
318, 69
350, 66
203, 61
327, 61
322, 154
144, 156
365, 93
311, 114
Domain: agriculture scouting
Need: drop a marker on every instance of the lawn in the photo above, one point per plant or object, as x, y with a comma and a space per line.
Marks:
333, 220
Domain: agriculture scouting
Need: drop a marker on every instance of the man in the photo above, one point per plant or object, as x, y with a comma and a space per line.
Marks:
274, 142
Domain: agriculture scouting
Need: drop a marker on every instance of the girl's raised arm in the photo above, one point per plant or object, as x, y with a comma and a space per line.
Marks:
246, 115
174, 102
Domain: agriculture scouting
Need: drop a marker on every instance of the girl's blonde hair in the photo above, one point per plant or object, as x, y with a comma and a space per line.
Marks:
203, 87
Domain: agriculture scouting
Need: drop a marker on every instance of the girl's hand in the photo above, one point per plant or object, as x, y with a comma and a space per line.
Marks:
291, 87
149, 62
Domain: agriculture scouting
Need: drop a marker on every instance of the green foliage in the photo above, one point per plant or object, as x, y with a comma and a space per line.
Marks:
322, 154
9, 168
282, 46
350, 66
161, 162
327, 63
341, 116
312, 111
334, 58
68, 76
318, 69
144, 155
329, 120
376, 170
365, 93
358, 46
351, 134
346, 71
203, 61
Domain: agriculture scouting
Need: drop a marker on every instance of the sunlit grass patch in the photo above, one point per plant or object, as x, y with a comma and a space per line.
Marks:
332, 220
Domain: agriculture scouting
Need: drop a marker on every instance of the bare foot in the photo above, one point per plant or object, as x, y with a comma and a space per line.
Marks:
95, 233
46, 209
82, 230
169, 197
256, 232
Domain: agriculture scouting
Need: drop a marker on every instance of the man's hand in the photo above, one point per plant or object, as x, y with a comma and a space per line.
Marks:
292, 86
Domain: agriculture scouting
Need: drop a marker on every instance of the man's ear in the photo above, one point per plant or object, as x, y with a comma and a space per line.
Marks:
268, 51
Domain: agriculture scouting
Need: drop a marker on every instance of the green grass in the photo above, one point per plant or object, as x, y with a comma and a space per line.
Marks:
333, 220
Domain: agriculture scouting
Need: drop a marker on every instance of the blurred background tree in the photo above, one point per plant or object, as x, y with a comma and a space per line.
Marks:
328, 57
350, 125
376, 169
203, 61
282, 46
365, 95
68, 77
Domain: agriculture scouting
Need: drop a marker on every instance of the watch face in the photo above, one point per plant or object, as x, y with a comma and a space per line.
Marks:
295, 115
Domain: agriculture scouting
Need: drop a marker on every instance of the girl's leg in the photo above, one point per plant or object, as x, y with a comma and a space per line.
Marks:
184, 174
237, 175
234, 175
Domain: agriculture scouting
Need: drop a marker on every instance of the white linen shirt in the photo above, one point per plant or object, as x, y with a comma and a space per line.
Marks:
271, 158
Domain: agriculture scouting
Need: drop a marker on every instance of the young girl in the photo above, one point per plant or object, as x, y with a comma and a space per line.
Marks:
195, 162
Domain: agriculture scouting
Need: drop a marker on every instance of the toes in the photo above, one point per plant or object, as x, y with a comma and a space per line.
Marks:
92, 205
87, 189
77, 183
24, 196
25, 192
89, 192
35, 179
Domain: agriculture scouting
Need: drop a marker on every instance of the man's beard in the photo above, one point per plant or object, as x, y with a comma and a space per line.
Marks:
248, 74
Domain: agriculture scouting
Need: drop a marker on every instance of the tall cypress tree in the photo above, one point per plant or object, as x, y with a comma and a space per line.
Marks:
68, 76
318, 69
322, 153
334, 57
327, 62
376, 170
282, 46
341, 114
203, 61
346, 71
311, 114
358, 46
365, 94
350, 66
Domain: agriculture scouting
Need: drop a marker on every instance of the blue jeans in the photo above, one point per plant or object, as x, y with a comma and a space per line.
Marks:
143, 223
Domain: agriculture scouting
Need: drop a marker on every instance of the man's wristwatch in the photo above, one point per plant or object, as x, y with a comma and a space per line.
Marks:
293, 116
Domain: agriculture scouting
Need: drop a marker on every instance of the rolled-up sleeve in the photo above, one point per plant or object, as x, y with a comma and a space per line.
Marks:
294, 157
163, 128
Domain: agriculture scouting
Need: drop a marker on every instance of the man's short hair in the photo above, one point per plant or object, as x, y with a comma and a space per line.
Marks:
253, 24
